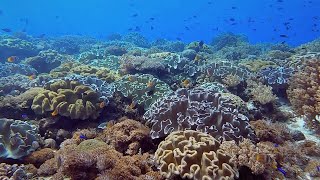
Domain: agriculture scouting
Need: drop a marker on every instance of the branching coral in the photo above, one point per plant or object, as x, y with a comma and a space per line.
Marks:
197, 109
68, 98
194, 155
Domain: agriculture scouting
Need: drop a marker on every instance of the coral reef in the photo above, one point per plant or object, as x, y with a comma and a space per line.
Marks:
128, 137
11, 46
68, 98
17, 138
194, 155
276, 76
10, 69
142, 64
260, 92
227, 40
197, 109
14, 171
136, 39
95, 159
142, 89
45, 61
14, 85
303, 92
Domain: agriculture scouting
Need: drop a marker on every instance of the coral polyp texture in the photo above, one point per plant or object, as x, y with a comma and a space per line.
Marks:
303, 92
194, 155
142, 89
197, 109
17, 138
68, 98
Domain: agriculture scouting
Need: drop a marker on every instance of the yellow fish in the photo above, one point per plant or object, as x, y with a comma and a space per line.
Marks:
11, 59
55, 112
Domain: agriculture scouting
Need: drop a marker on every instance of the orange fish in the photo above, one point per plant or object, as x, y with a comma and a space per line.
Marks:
131, 78
55, 112
150, 84
11, 59
102, 104
185, 83
132, 105
32, 77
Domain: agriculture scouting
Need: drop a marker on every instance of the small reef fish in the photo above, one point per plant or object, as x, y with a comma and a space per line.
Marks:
132, 105
266, 159
11, 59
318, 168
24, 116
197, 58
102, 105
55, 112
131, 78
282, 171
150, 84
82, 137
32, 77
185, 83
6, 30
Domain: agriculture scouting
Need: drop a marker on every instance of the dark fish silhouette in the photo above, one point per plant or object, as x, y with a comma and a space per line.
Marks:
233, 7
187, 28
177, 38
152, 18
6, 29
134, 15
283, 36
232, 19
151, 27
201, 44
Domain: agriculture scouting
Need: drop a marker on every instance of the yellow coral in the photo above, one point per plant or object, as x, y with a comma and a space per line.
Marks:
68, 98
194, 155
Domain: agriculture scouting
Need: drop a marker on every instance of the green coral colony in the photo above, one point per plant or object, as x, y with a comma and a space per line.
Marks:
126, 108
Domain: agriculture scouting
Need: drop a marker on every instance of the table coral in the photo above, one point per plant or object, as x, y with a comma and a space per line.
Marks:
68, 98
128, 137
194, 155
143, 89
197, 109
17, 138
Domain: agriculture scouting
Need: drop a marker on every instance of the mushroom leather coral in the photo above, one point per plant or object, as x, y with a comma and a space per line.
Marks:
194, 155
68, 98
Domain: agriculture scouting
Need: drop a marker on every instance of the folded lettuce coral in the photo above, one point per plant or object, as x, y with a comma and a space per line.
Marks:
17, 138
68, 98
198, 109
143, 89
194, 155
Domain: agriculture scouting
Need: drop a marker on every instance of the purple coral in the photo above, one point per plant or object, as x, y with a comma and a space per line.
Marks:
197, 109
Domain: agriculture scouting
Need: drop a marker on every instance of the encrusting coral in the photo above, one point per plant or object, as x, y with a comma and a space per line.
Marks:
194, 155
128, 136
68, 98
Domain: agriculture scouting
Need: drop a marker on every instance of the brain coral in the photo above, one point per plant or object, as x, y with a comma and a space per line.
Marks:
194, 155
197, 109
143, 89
17, 138
68, 98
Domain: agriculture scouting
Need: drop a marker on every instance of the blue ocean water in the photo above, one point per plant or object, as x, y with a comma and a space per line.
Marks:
261, 21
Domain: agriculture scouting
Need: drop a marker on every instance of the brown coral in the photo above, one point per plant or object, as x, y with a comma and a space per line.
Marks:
128, 136
39, 157
94, 159
273, 132
261, 93
304, 92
